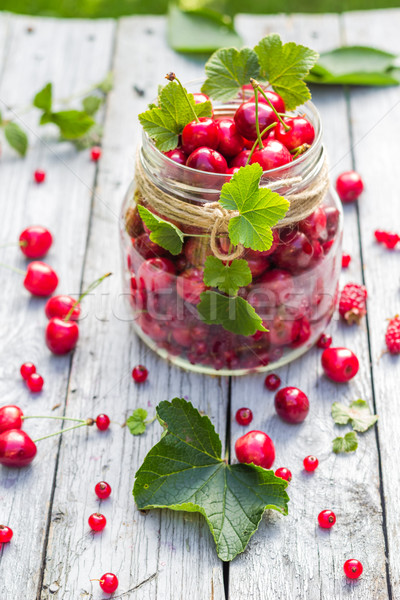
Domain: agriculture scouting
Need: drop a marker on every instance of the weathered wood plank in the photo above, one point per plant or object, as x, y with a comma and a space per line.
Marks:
172, 553
72, 57
291, 557
375, 120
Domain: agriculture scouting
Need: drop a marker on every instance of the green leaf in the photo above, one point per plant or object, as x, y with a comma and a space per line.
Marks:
91, 104
348, 443
234, 313
106, 85
285, 66
228, 70
227, 278
72, 123
165, 123
259, 208
184, 472
136, 423
165, 234
16, 137
358, 413
43, 98
200, 30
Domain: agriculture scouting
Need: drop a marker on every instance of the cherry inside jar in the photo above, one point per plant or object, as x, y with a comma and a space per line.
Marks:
294, 284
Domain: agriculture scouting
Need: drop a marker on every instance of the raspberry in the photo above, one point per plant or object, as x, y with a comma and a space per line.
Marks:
352, 305
392, 336
387, 238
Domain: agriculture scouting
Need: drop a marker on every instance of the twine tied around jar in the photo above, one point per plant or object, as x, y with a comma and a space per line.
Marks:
212, 217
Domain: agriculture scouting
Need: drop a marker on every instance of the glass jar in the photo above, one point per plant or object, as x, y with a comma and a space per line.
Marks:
295, 283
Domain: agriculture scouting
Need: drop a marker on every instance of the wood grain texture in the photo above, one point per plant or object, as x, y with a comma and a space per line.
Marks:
160, 555
292, 557
375, 120
72, 58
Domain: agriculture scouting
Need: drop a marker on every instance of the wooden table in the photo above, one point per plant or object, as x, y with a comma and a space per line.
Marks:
164, 555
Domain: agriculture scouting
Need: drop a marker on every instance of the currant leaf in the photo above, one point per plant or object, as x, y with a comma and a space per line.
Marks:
165, 122
136, 423
227, 278
285, 66
234, 313
259, 208
358, 414
91, 104
184, 472
43, 99
348, 443
16, 137
72, 123
227, 70
165, 234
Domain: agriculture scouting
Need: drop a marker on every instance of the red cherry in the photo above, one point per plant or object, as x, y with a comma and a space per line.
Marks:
102, 490
182, 336
310, 463
272, 382
198, 134
146, 248
103, 422
230, 141
40, 279
39, 176
60, 306
275, 99
284, 473
156, 274
255, 447
352, 568
27, 369
294, 252
232, 171
35, 382
95, 153
97, 522
205, 159
301, 132
199, 97
244, 416
326, 519
61, 336
35, 241
314, 226
10, 417
257, 265
6, 534
109, 583
177, 156
16, 448
339, 364
240, 160
346, 258
291, 404
324, 341
273, 155
257, 253
190, 285
139, 374
349, 186
245, 119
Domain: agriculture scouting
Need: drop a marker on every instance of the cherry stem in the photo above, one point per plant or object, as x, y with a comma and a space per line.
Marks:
259, 138
257, 88
54, 417
91, 287
22, 243
173, 77
15, 269
264, 131
86, 423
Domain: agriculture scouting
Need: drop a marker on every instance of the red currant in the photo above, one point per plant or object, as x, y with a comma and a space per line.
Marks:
39, 176
272, 382
27, 369
255, 447
284, 473
273, 155
95, 153
244, 416
301, 132
103, 422
291, 404
346, 258
109, 583
206, 159
6, 534
339, 364
310, 463
35, 382
139, 374
61, 336
97, 522
102, 490
352, 568
349, 186
202, 133
177, 156
387, 238
40, 279
326, 519
60, 306
10, 417
156, 274
16, 448
245, 119
230, 141
324, 341
35, 241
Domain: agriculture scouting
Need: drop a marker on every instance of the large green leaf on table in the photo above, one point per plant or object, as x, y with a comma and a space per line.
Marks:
259, 208
285, 66
228, 70
234, 313
355, 65
165, 122
200, 30
358, 414
227, 277
165, 234
184, 472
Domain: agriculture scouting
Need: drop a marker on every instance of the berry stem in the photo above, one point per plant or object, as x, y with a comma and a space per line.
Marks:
15, 269
259, 138
86, 423
264, 131
257, 88
51, 417
22, 243
173, 77
91, 287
